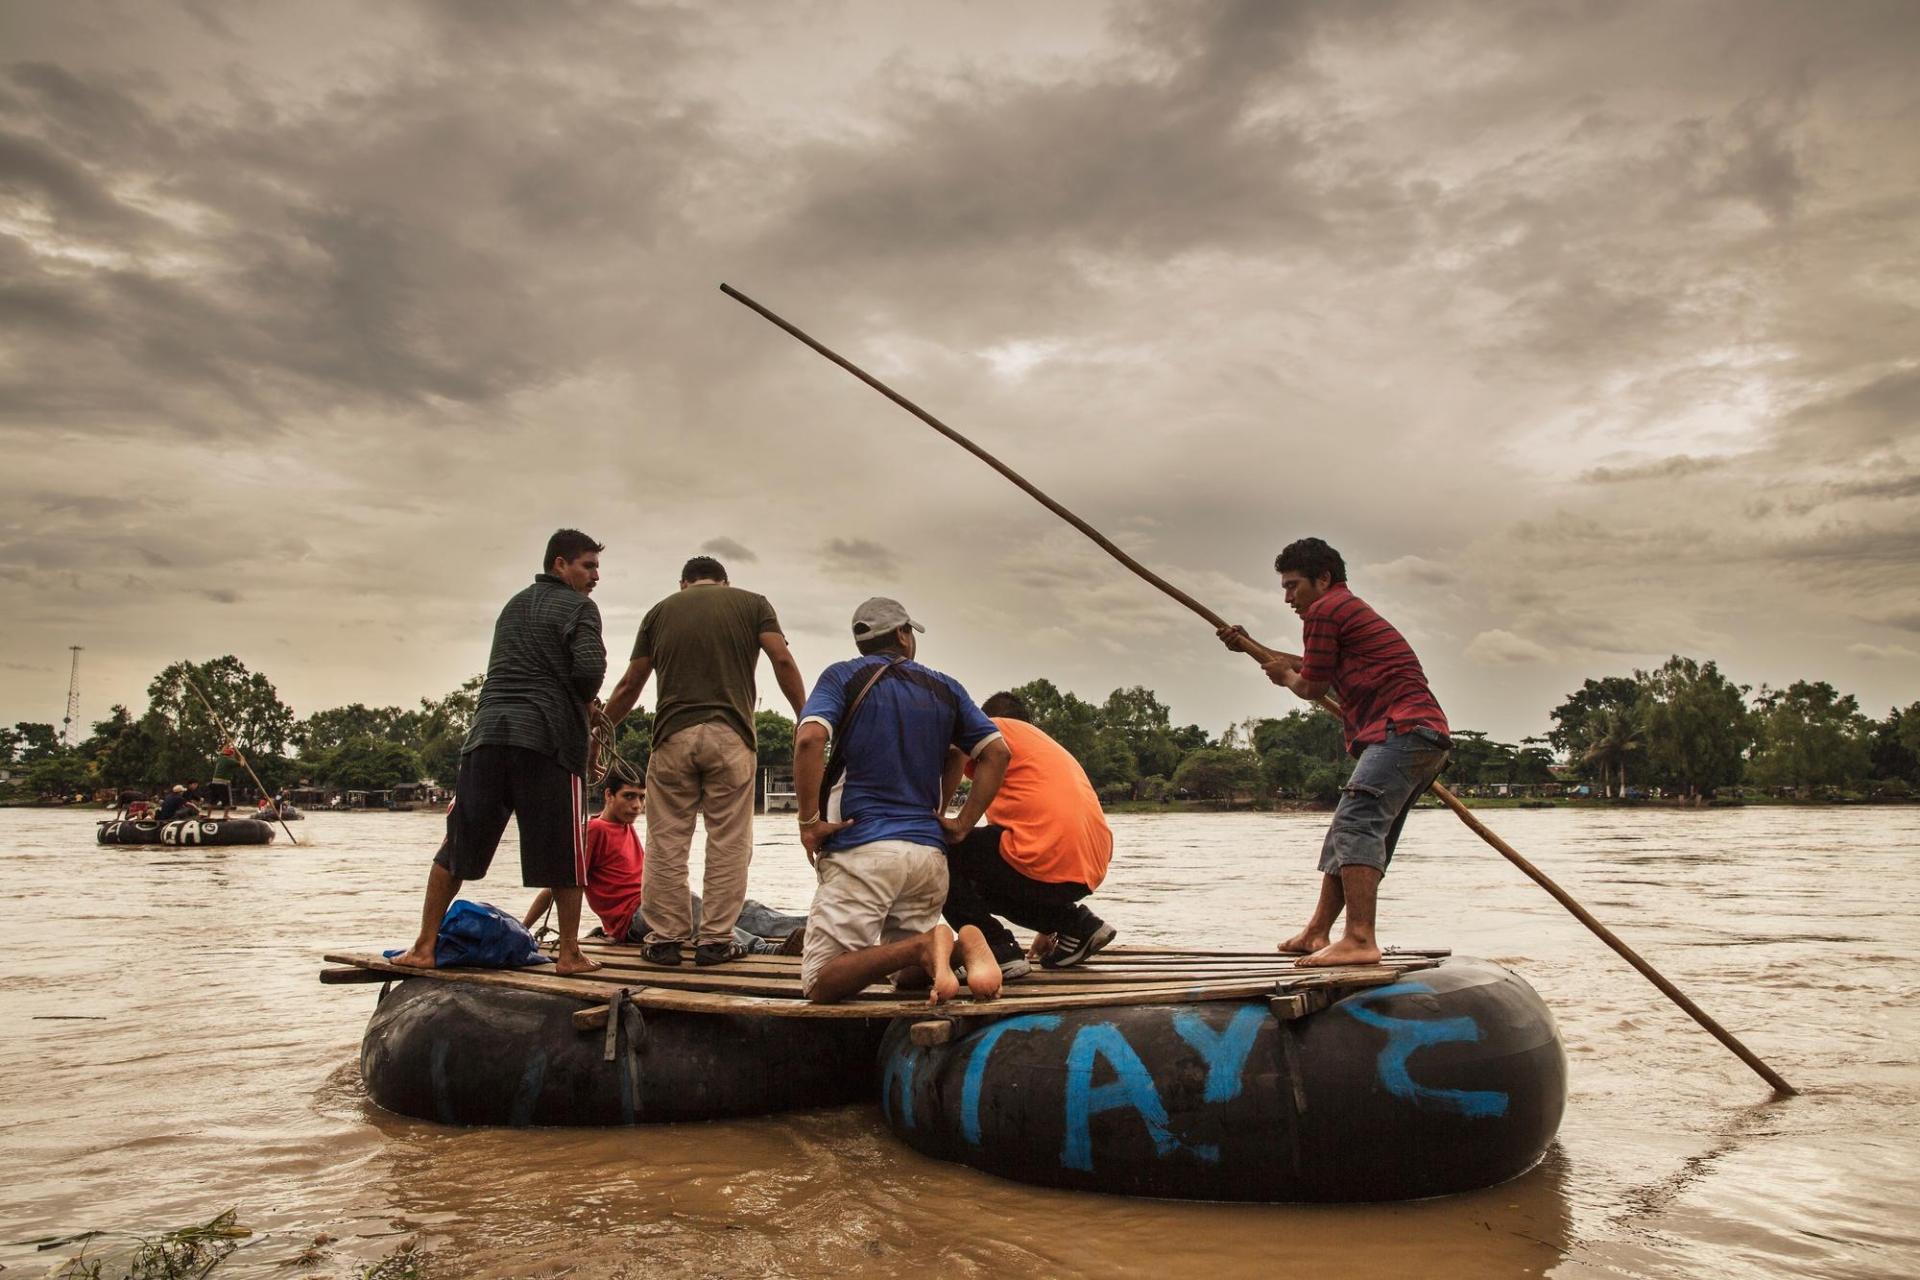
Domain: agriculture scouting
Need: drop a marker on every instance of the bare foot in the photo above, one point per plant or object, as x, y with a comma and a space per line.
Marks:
1345, 951
416, 957
570, 963
1304, 943
983, 971
938, 962
1042, 947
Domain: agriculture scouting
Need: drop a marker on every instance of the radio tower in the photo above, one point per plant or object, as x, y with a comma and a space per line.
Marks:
73, 698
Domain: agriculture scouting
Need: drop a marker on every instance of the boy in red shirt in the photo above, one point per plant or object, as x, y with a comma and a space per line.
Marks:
1394, 727
616, 863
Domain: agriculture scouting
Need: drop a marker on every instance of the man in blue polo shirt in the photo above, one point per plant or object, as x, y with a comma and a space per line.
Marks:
871, 818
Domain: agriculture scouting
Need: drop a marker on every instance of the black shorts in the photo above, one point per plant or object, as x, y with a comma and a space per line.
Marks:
548, 801
220, 792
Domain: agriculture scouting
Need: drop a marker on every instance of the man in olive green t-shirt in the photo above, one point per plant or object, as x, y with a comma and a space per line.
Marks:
705, 641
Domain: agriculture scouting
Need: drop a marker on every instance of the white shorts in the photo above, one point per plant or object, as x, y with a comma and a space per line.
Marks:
870, 894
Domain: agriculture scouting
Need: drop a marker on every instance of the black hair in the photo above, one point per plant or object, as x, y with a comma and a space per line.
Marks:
1311, 557
568, 545
1007, 706
881, 642
703, 567
620, 777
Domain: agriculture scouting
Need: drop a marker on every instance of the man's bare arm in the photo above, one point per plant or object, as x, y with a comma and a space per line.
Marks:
989, 771
950, 777
785, 670
541, 901
627, 692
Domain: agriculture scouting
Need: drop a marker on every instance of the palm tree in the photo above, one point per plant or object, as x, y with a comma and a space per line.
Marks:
1613, 732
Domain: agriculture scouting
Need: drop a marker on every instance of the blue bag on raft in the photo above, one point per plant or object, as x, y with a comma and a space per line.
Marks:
480, 935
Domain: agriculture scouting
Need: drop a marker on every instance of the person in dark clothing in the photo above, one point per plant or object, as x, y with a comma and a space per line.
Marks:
170, 808
526, 755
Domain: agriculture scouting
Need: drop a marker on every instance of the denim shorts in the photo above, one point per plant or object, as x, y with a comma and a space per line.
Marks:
1389, 777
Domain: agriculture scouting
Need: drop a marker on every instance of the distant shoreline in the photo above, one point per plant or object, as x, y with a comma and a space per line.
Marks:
1504, 802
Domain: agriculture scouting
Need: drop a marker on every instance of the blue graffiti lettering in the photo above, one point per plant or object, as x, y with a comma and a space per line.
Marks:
899, 1075
977, 1066
1132, 1087
1225, 1051
1407, 1035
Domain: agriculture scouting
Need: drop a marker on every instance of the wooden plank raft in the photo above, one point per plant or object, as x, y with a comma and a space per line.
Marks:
770, 985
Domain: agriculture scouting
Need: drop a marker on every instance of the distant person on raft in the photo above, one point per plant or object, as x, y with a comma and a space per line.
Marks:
220, 787
705, 641
1393, 725
616, 880
871, 820
1044, 847
526, 753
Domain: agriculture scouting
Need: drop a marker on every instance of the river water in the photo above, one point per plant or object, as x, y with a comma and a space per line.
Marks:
168, 1054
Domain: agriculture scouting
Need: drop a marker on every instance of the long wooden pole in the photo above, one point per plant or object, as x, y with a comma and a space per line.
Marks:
227, 738
1446, 796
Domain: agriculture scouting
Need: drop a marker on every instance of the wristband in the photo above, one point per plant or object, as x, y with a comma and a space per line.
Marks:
808, 822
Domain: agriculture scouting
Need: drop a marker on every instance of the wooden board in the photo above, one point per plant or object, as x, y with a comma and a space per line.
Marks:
774, 988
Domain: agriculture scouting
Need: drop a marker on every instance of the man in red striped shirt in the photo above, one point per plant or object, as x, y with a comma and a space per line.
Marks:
1393, 725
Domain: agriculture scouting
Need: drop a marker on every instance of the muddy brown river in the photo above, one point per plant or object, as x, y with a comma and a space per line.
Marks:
168, 1054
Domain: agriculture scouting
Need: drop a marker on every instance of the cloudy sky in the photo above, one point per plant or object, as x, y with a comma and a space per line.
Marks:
1587, 331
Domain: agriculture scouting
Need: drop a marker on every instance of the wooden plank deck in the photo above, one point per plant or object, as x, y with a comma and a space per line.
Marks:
771, 984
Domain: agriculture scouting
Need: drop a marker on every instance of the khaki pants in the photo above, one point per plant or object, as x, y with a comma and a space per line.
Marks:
705, 770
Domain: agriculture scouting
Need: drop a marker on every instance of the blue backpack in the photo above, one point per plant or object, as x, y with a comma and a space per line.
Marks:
482, 936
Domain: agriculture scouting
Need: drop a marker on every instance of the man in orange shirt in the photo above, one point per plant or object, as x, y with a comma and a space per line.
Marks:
1045, 845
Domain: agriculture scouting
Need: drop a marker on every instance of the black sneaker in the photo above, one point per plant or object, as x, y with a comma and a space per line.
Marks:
1070, 949
667, 953
717, 952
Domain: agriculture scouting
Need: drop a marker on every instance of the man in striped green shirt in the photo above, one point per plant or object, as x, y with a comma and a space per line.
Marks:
526, 753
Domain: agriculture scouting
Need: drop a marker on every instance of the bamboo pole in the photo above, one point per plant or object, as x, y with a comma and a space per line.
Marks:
240, 755
1446, 796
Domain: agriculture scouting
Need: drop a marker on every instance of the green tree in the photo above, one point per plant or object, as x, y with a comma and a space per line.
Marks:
325, 730
251, 709
1571, 731
1810, 735
33, 741
367, 763
123, 750
1613, 734
1111, 767
1324, 784
1698, 727
61, 774
1219, 773
773, 738
1066, 719
441, 726
1894, 755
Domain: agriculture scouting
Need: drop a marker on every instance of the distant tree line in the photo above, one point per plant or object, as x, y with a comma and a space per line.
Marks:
1682, 729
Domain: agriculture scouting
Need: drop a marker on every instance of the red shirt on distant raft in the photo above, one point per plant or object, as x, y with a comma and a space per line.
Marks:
1371, 668
615, 861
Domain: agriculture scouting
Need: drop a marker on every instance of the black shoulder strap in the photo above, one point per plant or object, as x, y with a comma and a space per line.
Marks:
836, 759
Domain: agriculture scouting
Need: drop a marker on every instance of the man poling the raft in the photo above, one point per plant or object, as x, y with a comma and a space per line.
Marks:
1394, 729
1220, 625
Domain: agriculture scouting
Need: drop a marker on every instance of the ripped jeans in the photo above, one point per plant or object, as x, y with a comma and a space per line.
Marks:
1390, 776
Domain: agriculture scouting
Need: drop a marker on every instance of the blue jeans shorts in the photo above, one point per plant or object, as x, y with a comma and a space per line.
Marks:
1390, 776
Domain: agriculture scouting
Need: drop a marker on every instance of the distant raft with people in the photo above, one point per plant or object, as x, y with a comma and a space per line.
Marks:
1447, 1079
194, 832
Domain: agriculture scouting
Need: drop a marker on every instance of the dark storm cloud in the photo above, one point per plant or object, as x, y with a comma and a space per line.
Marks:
858, 558
729, 548
1664, 469
404, 243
